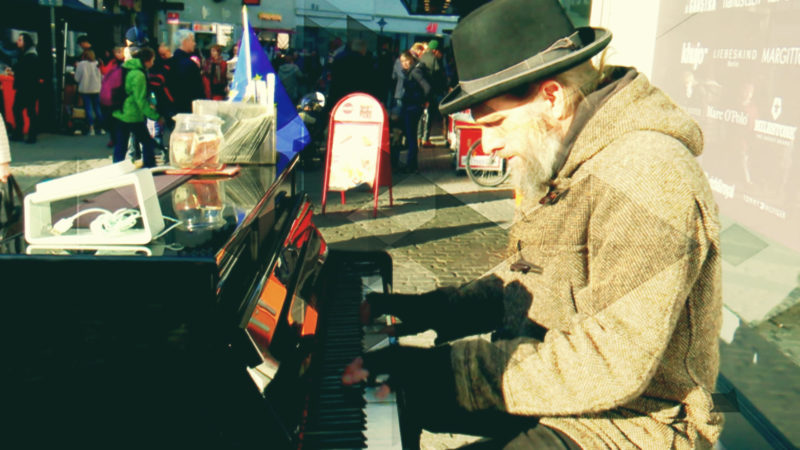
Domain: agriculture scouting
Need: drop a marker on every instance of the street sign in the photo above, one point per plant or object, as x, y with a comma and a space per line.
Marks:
199, 27
51, 2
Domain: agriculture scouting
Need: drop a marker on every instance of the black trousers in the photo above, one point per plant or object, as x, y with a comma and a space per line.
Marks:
139, 129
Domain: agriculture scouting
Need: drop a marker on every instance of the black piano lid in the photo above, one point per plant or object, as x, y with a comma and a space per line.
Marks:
240, 197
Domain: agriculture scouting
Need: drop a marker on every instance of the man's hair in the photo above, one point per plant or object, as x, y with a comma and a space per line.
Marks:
82, 38
578, 82
417, 48
27, 41
145, 54
88, 55
581, 81
407, 54
358, 45
182, 35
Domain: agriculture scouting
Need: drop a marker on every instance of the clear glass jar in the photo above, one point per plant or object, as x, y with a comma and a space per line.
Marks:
198, 204
196, 141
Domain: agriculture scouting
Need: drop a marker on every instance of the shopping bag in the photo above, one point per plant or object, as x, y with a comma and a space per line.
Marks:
10, 202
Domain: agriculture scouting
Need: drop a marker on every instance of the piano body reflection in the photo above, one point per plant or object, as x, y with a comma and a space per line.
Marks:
230, 331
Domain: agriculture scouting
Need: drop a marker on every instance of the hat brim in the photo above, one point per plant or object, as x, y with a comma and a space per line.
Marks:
460, 99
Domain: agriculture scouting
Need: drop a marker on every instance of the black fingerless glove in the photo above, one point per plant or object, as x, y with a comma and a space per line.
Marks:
423, 379
451, 316
425, 383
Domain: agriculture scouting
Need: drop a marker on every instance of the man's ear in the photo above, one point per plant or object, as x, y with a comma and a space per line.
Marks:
554, 94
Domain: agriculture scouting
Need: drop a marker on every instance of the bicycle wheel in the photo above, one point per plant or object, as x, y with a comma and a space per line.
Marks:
485, 170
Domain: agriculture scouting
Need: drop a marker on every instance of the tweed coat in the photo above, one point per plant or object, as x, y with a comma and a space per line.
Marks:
629, 292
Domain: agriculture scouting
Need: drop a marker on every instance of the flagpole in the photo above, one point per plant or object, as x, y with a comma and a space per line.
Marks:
246, 43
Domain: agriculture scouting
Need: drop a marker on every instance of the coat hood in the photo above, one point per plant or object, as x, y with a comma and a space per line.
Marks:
629, 103
133, 63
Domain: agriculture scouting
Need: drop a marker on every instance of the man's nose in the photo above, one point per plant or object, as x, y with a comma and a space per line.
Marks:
492, 140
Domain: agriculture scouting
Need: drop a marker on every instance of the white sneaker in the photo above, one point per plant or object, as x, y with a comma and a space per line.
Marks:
91, 131
102, 131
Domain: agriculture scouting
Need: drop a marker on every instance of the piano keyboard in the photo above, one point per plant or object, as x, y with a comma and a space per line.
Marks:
341, 416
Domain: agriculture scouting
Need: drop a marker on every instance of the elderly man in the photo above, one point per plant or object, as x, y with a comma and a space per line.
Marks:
606, 315
185, 82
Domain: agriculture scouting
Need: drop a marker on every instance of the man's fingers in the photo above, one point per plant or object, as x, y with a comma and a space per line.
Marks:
354, 372
383, 391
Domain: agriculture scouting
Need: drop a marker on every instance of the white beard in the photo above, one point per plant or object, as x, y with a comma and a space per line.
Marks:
535, 150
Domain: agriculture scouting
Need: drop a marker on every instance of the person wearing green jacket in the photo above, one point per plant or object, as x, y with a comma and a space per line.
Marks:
135, 109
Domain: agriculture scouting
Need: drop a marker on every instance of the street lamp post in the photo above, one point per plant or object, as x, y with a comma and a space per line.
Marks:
53, 53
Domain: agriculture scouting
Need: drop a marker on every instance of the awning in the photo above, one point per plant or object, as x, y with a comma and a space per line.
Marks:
442, 7
75, 5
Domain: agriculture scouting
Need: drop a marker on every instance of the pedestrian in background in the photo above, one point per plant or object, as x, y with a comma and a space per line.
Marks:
5, 154
416, 89
26, 83
85, 44
291, 77
231, 63
215, 70
106, 86
185, 81
353, 71
432, 59
312, 68
134, 39
87, 75
137, 107
118, 57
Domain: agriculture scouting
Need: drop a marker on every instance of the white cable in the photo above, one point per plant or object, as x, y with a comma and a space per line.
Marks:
108, 222
63, 225
117, 222
168, 229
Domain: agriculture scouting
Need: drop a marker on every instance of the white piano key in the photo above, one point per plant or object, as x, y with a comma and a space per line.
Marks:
383, 423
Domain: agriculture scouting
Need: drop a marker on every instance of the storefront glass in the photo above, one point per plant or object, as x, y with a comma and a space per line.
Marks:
733, 66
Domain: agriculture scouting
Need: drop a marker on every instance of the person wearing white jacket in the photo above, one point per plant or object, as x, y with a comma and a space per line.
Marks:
5, 154
87, 74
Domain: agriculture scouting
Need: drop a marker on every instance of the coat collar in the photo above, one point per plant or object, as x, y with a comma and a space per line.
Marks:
627, 103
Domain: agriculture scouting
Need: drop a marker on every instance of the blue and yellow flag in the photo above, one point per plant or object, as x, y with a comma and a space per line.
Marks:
253, 64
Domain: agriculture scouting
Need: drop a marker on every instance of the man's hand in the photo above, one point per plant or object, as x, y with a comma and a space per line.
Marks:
5, 172
423, 374
355, 373
426, 378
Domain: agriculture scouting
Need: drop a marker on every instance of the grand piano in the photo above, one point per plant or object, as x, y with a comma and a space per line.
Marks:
230, 331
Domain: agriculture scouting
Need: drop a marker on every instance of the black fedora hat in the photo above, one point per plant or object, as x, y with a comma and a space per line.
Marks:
507, 43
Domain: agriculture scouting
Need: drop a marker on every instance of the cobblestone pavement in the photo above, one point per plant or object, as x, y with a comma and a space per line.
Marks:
55, 156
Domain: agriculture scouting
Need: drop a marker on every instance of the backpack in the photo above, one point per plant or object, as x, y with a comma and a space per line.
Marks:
112, 89
157, 84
